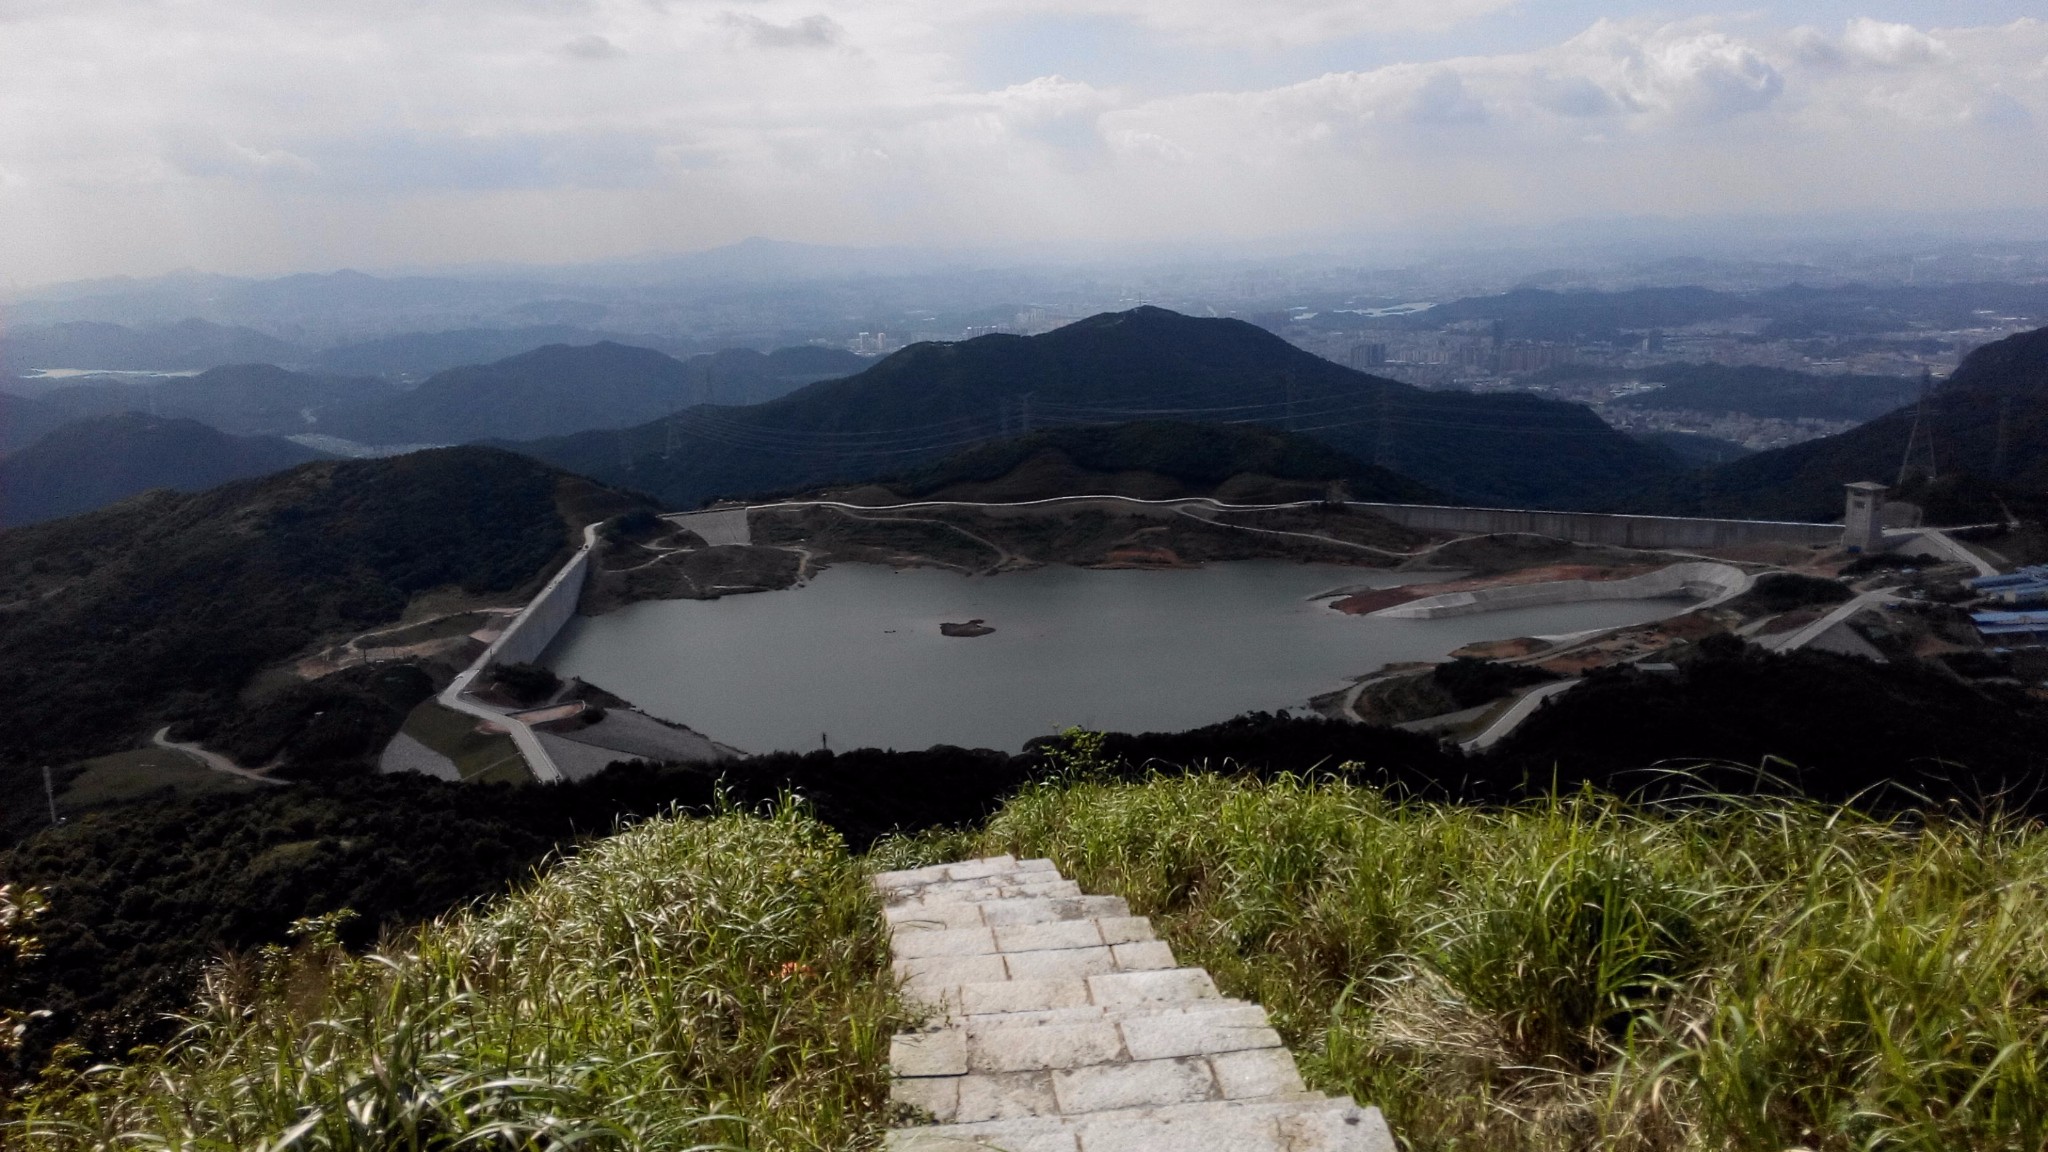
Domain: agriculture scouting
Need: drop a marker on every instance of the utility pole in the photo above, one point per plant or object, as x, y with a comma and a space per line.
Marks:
50, 794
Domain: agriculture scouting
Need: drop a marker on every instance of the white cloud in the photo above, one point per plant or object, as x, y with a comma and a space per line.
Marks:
1889, 45
814, 31
591, 46
245, 134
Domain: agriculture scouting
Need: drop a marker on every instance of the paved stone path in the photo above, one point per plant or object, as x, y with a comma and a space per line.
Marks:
1062, 1025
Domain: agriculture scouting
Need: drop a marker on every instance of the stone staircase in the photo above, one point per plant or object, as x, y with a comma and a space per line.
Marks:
1062, 1025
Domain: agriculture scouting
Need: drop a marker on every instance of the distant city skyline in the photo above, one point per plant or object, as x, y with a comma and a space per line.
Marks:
249, 138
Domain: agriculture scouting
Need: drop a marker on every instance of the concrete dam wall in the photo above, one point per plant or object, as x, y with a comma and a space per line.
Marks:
543, 617
1604, 528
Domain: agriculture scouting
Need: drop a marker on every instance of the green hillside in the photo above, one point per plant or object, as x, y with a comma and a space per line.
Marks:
163, 607
684, 985
933, 399
1989, 421
92, 463
1164, 458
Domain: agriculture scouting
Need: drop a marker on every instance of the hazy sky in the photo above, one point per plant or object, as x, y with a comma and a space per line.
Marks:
274, 135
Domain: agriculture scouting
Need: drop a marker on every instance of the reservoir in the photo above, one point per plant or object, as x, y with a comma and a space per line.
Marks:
855, 655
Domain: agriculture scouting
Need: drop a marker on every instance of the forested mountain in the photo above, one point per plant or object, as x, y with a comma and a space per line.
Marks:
92, 463
162, 608
1156, 460
932, 399
1989, 421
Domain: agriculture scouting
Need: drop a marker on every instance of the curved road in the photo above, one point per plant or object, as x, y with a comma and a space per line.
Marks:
213, 760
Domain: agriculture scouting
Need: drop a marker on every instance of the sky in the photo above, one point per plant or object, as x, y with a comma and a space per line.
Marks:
269, 136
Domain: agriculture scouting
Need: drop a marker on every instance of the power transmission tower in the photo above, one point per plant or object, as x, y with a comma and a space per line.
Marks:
1921, 439
2004, 423
1381, 442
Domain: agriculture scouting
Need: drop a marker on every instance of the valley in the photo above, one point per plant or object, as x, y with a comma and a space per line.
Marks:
393, 684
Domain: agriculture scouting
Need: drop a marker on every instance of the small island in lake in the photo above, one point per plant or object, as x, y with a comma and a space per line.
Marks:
971, 628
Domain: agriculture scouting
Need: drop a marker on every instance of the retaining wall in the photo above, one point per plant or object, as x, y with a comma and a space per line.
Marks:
1578, 527
1704, 581
1602, 528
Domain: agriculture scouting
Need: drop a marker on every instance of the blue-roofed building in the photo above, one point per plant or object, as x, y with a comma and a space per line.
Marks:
2023, 587
2012, 629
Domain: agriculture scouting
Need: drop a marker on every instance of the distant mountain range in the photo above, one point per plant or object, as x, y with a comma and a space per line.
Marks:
409, 355
1988, 421
245, 399
933, 399
185, 345
546, 391
196, 345
89, 464
560, 388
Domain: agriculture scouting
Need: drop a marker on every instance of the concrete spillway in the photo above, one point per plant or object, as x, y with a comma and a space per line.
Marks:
1701, 580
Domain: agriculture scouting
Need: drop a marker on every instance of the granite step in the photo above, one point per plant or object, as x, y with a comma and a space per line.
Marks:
1060, 1022
1310, 1123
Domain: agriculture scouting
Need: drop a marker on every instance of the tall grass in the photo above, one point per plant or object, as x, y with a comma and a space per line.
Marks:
1569, 974
1580, 973
687, 983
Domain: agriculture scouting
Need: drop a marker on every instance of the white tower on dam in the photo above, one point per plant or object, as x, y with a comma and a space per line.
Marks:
1863, 519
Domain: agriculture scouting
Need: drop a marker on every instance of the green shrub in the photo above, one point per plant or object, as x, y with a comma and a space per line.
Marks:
1474, 682
1577, 973
1784, 591
525, 683
686, 983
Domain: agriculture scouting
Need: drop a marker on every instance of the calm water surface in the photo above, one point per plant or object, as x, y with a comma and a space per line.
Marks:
856, 656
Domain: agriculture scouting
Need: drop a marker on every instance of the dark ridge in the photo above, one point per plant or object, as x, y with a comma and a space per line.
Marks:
930, 400
1196, 459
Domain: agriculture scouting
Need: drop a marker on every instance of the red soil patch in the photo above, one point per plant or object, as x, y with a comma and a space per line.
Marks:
1143, 558
1378, 598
